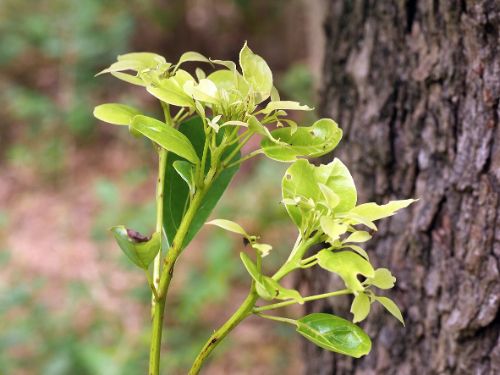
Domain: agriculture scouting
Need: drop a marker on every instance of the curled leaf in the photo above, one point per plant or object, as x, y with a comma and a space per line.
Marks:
360, 307
257, 73
139, 249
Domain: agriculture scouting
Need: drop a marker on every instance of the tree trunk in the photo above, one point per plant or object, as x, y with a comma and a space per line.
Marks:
416, 86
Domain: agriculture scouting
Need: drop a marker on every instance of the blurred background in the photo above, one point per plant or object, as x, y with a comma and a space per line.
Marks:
70, 303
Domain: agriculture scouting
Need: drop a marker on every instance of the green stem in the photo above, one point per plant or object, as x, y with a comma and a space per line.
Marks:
306, 299
154, 354
162, 164
166, 277
153, 289
245, 158
243, 311
278, 319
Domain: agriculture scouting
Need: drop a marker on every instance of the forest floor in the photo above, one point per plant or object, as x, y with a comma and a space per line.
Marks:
53, 229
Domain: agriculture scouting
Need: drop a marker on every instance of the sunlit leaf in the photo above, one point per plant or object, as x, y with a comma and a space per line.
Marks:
357, 249
191, 56
313, 141
114, 113
331, 198
360, 307
257, 73
391, 307
373, 211
139, 249
230, 226
270, 289
302, 180
382, 279
358, 236
347, 265
332, 228
335, 334
285, 105
167, 137
262, 248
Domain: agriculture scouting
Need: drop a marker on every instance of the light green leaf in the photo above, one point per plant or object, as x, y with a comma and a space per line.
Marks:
331, 198
360, 307
359, 250
382, 279
347, 265
285, 105
191, 56
230, 226
358, 236
144, 59
257, 73
139, 249
332, 228
251, 268
167, 137
205, 91
269, 289
391, 307
186, 171
262, 248
302, 180
275, 95
335, 334
170, 93
313, 141
373, 211
129, 78
114, 113
355, 219
257, 127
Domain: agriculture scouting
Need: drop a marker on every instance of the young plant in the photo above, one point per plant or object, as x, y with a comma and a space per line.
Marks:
208, 118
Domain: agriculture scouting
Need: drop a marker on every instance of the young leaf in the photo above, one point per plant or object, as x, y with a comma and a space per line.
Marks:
302, 180
262, 248
358, 236
170, 92
230, 226
115, 113
251, 268
382, 279
176, 192
139, 249
313, 141
359, 250
332, 228
191, 56
186, 171
285, 105
257, 73
391, 307
347, 265
331, 198
333, 333
269, 289
167, 137
360, 307
373, 211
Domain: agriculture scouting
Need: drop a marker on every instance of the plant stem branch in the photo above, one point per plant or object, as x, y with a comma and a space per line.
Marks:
278, 319
243, 311
306, 299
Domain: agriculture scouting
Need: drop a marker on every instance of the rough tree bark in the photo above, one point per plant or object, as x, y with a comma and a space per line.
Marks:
416, 86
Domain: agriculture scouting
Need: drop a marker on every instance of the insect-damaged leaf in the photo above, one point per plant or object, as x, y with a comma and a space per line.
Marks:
139, 249
335, 334
176, 191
